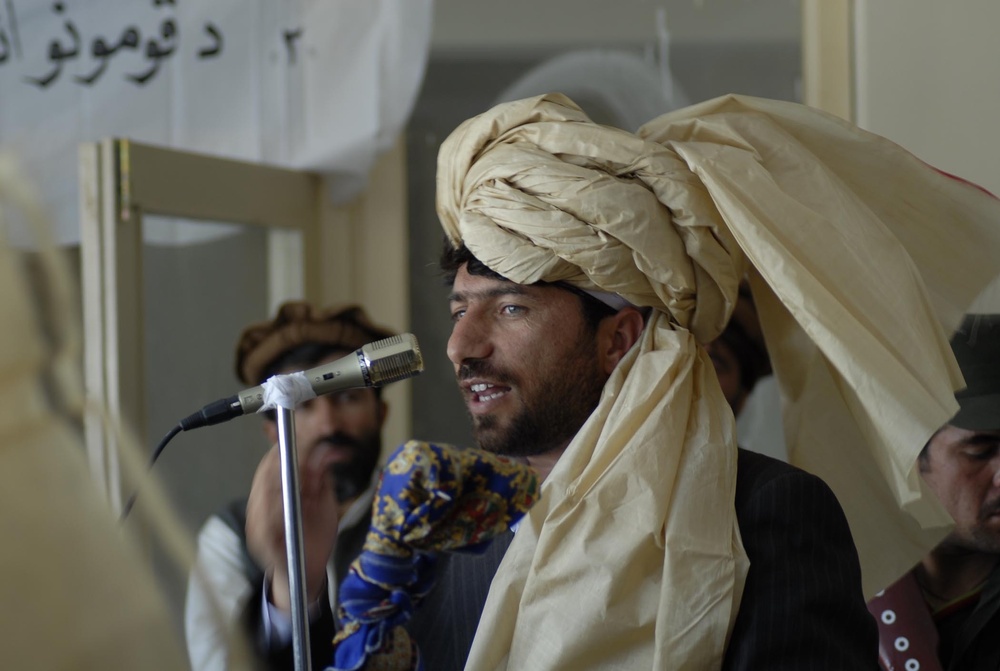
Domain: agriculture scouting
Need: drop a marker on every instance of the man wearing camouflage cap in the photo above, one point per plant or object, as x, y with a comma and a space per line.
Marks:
945, 613
339, 443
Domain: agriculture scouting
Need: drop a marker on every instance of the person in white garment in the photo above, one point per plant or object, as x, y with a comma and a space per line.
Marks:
339, 443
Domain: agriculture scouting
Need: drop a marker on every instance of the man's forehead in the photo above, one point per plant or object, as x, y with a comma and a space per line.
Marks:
957, 436
468, 286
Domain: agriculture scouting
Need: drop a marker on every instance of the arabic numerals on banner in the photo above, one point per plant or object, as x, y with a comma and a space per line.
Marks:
69, 42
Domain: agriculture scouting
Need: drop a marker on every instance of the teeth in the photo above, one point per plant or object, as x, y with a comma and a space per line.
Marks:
479, 387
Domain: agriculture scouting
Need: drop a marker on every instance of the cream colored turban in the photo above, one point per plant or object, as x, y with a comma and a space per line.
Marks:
861, 258
539, 192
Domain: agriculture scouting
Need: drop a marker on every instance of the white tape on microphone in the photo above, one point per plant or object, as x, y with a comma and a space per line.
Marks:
286, 391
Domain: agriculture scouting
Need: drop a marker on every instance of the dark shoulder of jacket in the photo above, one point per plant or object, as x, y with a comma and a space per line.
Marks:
755, 470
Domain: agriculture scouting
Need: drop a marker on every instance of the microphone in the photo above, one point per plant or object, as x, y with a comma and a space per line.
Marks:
374, 365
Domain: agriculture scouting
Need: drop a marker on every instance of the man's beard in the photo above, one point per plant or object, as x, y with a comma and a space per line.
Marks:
568, 393
353, 476
985, 539
979, 538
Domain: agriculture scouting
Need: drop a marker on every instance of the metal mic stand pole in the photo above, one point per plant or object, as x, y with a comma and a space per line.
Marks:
293, 539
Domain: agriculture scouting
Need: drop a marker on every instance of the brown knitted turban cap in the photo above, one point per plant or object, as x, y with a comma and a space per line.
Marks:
299, 323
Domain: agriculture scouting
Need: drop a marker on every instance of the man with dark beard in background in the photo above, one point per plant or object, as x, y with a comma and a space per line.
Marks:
339, 443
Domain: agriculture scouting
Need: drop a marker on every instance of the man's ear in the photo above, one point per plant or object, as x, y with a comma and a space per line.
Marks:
616, 336
270, 429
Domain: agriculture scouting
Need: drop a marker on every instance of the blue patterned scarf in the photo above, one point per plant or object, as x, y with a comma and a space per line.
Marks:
430, 498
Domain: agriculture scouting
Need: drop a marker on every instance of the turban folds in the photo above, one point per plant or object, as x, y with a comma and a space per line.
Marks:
533, 205
852, 247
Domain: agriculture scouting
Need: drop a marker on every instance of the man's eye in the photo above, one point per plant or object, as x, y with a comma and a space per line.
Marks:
347, 396
982, 452
457, 314
512, 309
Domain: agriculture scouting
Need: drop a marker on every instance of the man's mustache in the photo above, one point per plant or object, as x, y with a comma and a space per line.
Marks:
989, 510
479, 368
340, 440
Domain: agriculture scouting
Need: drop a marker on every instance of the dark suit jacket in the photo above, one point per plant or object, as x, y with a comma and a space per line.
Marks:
977, 644
802, 607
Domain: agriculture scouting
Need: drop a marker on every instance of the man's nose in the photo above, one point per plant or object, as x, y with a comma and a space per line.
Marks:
327, 413
470, 339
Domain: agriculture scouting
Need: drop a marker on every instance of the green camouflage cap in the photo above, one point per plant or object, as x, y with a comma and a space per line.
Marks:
976, 345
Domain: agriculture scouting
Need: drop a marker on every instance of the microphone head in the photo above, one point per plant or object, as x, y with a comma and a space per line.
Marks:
392, 359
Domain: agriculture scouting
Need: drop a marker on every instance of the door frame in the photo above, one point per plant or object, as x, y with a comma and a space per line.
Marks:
121, 181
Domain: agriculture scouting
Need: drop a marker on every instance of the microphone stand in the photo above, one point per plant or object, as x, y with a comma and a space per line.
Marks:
293, 538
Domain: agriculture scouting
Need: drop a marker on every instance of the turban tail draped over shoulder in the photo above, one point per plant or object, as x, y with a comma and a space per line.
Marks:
862, 259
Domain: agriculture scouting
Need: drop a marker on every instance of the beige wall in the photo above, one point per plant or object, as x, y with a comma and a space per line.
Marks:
921, 73
926, 77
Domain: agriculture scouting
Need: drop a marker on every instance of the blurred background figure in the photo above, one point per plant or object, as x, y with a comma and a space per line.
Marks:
739, 355
744, 369
338, 438
76, 595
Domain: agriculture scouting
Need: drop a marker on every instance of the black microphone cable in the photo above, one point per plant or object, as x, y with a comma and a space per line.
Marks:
152, 460
373, 365
213, 413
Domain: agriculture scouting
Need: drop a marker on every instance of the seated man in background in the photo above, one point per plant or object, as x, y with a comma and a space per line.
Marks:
945, 613
741, 361
739, 354
338, 439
